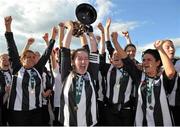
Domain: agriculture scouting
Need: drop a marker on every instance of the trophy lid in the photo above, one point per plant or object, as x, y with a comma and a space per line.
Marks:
86, 13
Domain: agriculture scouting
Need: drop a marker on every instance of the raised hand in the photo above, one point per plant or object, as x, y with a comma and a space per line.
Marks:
101, 28
106, 29
30, 41
54, 33
114, 36
121, 52
127, 37
158, 44
46, 37
61, 24
126, 34
7, 22
69, 25
108, 23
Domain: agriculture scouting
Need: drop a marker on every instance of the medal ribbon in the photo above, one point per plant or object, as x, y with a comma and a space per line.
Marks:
79, 86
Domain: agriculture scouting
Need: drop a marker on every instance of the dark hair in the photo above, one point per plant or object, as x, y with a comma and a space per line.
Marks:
74, 52
154, 53
129, 45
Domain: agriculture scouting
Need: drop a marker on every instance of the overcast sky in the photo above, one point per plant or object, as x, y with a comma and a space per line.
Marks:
146, 20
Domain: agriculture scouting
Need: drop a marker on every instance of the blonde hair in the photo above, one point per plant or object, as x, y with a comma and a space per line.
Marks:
24, 54
4, 54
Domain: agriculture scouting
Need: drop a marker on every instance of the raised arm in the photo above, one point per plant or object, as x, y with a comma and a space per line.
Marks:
29, 42
103, 67
46, 38
107, 37
119, 49
65, 53
61, 33
128, 64
93, 67
167, 64
127, 37
84, 42
106, 29
102, 39
46, 55
92, 39
12, 49
68, 36
53, 59
8, 21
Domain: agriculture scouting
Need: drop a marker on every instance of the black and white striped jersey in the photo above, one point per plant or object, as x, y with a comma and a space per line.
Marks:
119, 85
101, 87
47, 85
2, 93
7, 76
2, 88
174, 96
152, 106
57, 88
176, 63
26, 90
84, 111
26, 83
8, 82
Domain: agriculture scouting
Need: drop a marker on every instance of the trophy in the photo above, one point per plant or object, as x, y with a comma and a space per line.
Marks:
86, 15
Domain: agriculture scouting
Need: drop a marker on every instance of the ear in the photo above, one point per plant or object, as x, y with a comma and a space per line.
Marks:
158, 63
72, 63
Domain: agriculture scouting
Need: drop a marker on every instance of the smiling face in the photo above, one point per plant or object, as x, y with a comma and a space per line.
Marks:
168, 47
4, 61
116, 60
81, 62
28, 59
131, 52
150, 65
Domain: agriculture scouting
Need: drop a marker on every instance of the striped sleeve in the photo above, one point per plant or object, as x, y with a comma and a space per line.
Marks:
13, 52
94, 58
45, 57
93, 67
